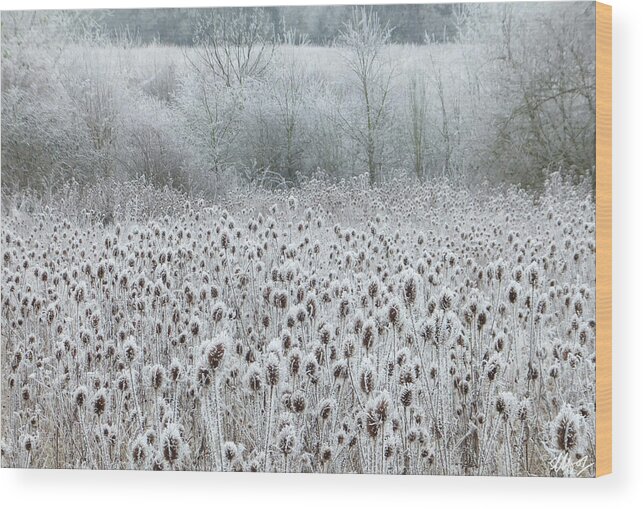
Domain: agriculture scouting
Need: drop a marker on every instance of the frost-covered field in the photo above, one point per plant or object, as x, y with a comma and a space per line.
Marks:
409, 328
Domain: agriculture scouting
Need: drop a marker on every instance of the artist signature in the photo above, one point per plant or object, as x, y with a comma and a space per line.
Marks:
563, 464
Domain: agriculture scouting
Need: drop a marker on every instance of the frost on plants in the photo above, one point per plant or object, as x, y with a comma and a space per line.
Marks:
358, 257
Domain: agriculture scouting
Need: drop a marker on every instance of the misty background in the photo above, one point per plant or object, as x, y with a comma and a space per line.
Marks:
201, 99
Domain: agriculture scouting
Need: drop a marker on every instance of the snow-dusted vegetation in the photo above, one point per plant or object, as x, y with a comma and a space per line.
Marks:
368, 257
509, 97
403, 329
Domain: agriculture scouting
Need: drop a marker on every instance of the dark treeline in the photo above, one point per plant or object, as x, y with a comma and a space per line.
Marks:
322, 24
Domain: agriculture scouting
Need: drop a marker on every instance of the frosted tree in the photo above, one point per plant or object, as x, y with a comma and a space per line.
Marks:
365, 38
235, 44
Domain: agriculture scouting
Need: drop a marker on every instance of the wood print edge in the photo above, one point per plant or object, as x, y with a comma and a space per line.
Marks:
603, 239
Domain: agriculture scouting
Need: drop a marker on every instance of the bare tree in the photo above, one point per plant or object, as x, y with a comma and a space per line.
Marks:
417, 105
234, 44
447, 117
542, 111
365, 38
289, 93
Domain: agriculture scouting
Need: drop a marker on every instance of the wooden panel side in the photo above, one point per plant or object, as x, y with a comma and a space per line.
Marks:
603, 239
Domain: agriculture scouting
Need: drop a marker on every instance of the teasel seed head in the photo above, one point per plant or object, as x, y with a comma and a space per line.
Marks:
533, 274
139, 451
287, 440
172, 444
410, 290
446, 300
272, 371
80, 396
567, 430
406, 397
348, 348
176, 370
214, 352
393, 313
28, 442
513, 292
367, 378
230, 451
368, 334
310, 366
203, 376
99, 402
298, 402
130, 350
157, 377
326, 408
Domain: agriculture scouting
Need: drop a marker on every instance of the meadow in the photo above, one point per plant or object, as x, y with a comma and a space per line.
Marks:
417, 329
